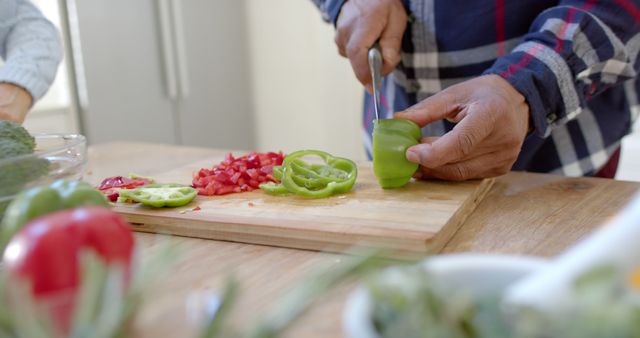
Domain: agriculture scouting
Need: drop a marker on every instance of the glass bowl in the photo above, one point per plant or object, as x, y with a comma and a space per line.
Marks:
56, 156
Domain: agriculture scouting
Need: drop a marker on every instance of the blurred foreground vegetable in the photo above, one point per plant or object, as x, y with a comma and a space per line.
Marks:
410, 302
293, 304
614, 245
46, 255
39, 201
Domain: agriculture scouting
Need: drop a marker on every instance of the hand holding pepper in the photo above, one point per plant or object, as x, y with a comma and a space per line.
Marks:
492, 121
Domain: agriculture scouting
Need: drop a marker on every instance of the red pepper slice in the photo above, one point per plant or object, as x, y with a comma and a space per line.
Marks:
46, 255
121, 182
110, 186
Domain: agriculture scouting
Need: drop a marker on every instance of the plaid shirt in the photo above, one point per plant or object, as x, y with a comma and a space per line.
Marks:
574, 61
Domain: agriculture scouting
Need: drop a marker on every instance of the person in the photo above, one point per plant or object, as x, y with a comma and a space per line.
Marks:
536, 85
31, 49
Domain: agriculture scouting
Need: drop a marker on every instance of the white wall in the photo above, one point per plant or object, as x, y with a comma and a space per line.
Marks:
305, 95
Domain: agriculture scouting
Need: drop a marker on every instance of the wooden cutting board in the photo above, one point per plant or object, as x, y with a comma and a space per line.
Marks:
415, 220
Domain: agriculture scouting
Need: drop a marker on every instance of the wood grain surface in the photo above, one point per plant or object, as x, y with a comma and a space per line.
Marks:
411, 221
523, 213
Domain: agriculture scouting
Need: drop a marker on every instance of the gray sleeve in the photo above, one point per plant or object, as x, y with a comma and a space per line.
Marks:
31, 48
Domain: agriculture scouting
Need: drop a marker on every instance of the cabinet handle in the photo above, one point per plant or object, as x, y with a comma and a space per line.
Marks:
181, 48
168, 47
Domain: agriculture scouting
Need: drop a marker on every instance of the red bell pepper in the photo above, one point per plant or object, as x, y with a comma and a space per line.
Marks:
46, 254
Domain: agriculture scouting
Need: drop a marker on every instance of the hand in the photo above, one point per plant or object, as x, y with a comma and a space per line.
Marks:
492, 121
363, 22
14, 102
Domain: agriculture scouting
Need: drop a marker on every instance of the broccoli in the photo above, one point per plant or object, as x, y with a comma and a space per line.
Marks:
3, 208
11, 148
15, 174
13, 131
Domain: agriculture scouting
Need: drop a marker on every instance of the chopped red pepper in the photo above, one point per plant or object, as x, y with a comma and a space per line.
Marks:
112, 195
240, 174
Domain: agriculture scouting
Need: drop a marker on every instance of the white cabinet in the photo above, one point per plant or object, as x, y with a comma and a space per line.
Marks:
305, 94
168, 71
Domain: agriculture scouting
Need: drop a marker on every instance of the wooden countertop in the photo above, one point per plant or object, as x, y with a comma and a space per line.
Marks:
524, 213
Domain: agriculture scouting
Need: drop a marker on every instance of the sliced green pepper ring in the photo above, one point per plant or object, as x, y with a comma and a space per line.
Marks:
277, 172
308, 178
274, 188
161, 195
322, 174
336, 176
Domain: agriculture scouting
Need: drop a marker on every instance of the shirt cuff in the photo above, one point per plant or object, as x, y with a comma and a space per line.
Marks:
332, 10
532, 82
26, 79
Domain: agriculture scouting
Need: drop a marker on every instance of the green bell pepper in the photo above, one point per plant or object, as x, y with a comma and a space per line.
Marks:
161, 195
391, 139
277, 172
337, 175
39, 201
77, 193
272, 188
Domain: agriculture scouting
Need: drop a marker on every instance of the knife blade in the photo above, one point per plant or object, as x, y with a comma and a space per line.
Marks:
375, 67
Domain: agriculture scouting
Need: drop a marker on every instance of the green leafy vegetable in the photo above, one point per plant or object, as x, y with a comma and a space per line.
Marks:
16, 170
407, 302
15, 132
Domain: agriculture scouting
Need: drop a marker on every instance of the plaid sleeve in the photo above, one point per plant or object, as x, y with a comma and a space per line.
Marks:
573, 51
330, 9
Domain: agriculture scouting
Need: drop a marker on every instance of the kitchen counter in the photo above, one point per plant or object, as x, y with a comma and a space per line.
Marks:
524, 213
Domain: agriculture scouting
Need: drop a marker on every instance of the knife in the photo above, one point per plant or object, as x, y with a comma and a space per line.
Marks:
375, 67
